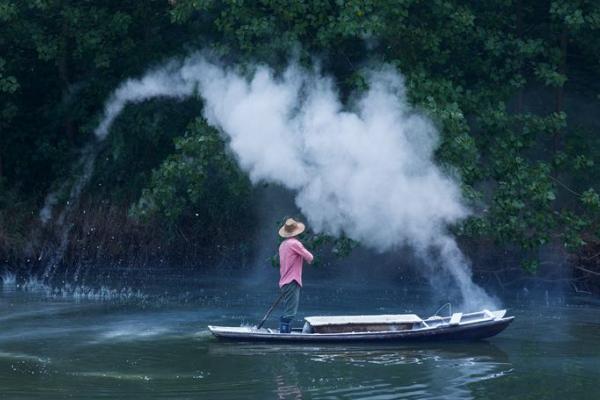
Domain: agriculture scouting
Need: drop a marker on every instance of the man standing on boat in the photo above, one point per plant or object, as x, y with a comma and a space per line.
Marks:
291, 256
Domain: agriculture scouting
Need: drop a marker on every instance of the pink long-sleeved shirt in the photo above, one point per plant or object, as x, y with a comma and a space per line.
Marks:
291, 255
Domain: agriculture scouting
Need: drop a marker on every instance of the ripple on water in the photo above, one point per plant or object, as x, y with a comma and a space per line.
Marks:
23, 357
18, 365
362, 358
122, 376
409, 372
132, 333
471, 371
203, 335
375, 389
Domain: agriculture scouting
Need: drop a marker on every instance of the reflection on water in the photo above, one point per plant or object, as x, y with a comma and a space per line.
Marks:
399, 371
286, 382
57, 348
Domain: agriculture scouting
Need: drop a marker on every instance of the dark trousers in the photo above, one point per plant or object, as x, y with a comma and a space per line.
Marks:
291, 299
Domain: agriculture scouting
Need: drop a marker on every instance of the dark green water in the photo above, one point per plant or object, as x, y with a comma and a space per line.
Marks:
157, 346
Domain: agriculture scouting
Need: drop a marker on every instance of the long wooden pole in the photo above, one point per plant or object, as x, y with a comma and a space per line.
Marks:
270, 311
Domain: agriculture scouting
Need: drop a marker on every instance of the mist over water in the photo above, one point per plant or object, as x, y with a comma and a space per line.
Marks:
366, 170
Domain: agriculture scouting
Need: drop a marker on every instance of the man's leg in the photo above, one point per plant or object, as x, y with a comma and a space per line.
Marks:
291, 299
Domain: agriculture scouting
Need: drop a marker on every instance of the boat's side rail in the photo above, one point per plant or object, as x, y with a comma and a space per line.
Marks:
465, 331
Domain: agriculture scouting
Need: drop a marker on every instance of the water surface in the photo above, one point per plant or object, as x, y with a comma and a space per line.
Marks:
154, 344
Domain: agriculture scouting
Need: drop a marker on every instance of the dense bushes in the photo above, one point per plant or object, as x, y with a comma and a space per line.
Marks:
506, 81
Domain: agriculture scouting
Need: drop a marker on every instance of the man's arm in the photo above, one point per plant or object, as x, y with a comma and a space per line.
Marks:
299, 248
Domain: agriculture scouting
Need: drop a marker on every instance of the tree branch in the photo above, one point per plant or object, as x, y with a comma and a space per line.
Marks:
587, 270
565, 186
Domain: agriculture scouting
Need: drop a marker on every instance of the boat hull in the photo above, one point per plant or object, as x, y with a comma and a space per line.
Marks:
472, 331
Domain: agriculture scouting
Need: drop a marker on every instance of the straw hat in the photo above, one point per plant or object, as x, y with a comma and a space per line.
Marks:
291, 228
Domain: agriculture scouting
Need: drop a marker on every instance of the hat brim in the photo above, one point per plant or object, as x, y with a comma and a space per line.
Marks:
300, 227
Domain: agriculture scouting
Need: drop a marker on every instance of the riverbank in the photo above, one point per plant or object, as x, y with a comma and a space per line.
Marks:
96, 231
105, 235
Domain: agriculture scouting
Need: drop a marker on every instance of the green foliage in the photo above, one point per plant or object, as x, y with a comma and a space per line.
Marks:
60, 59
141, 138
199, 187
494, 76
530, 266
8, 86
591, 199
549, 75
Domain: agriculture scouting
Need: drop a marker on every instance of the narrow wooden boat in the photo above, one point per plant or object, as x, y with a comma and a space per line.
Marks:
379, 328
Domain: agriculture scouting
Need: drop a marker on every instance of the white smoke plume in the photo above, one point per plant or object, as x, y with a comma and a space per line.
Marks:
367, 171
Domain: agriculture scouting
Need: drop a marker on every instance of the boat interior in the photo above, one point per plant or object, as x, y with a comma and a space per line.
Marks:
392, 323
